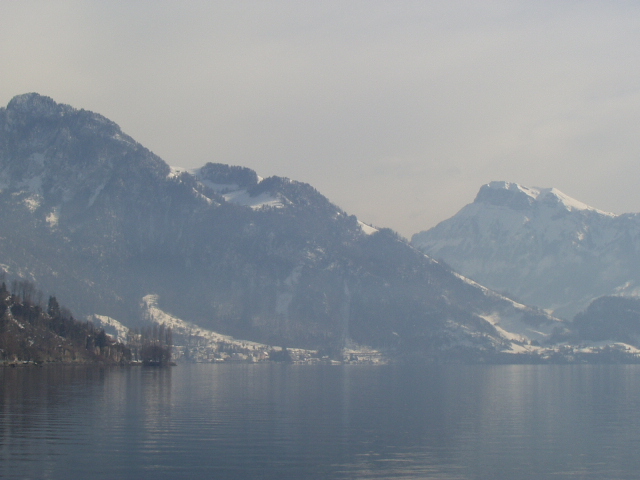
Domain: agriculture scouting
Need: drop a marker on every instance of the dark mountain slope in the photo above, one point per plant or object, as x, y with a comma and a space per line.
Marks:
610, 318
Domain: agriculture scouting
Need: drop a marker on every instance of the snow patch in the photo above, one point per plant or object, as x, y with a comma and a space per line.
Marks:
177, 171
510, 324
232, 193
495, 321
367, 229
543, 195
181, 327
32, 202
111, 327
628, 289
53, 217
122, 139
594, 347
242, 197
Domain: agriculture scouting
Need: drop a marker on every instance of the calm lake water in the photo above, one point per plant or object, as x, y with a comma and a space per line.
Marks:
321, 422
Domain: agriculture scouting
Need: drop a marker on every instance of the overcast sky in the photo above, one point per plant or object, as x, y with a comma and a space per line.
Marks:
398, 111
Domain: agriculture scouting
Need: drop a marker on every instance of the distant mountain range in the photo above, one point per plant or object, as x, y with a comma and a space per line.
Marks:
90, 215
541, 246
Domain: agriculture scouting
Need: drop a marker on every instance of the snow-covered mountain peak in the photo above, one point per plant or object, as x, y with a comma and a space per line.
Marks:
520, 197
539, 244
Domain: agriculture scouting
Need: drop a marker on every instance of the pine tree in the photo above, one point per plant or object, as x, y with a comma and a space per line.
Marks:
53, 308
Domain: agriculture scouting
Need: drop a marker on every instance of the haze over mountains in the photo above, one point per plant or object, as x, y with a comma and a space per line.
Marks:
95, 218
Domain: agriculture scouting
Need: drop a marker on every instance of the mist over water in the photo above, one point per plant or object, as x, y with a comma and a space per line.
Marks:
345, 422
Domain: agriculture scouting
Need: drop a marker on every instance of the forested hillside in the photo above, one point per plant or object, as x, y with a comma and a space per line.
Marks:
29, 333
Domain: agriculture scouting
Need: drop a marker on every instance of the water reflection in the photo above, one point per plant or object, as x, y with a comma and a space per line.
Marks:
352, 422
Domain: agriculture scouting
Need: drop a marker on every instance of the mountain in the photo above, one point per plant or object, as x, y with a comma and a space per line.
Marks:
610, 318
96, 218
540, 245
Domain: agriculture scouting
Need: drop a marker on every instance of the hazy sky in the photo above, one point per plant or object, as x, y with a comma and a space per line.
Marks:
398, 111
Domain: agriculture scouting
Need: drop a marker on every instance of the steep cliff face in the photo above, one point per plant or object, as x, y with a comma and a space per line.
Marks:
99, 220
542, 246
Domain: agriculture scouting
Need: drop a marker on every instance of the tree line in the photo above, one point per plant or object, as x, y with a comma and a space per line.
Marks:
151, 345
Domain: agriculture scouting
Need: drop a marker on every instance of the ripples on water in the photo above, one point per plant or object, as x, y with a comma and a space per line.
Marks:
305, 422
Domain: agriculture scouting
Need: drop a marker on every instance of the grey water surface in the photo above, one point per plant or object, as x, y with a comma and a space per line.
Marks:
278, 421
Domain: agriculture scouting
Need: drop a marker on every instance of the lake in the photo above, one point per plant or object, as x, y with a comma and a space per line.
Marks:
278, 421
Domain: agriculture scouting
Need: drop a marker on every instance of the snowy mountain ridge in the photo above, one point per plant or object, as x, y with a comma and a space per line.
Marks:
551, 197
540, 245
99, 220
